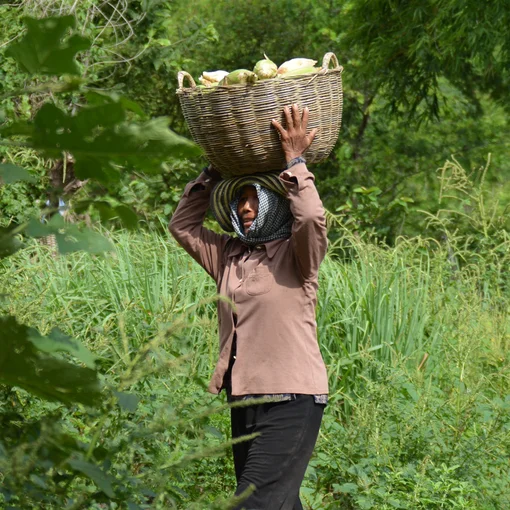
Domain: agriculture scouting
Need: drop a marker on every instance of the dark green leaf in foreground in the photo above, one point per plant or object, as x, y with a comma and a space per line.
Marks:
57, 341
102, 141
127, 401
108, 212
12, 173
127, 216
69, 237
99, 477
43, 49
9, 243
23, 365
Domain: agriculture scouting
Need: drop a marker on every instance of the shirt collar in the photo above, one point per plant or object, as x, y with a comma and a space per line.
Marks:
271, 248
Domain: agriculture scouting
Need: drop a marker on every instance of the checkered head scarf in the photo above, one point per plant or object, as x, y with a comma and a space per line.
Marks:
274, 219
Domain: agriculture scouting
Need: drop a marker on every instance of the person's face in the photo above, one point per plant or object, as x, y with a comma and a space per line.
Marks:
248, 206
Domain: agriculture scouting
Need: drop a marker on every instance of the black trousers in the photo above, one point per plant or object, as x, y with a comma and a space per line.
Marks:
275, 462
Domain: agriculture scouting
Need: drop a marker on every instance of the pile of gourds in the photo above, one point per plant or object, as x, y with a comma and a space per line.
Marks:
264, 69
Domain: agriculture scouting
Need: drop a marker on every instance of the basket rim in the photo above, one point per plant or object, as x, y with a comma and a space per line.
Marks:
324, 70
211, 90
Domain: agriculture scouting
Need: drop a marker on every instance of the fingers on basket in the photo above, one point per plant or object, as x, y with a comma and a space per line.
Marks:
293, 119
304, 118
290, 118
278, 126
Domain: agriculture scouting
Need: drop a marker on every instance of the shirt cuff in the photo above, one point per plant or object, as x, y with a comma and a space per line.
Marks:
296, 175
202, 183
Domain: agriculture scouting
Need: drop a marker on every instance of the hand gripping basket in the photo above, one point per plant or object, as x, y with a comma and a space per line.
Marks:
232, 123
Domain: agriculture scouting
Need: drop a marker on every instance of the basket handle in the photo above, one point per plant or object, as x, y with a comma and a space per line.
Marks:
328, 58
180, 79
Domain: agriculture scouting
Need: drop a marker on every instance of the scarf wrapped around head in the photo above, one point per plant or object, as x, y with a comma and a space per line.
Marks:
274, 219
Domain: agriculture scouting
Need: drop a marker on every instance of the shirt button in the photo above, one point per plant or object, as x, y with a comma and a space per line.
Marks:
258, 247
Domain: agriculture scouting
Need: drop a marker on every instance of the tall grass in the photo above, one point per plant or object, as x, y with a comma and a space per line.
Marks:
383, 304
144, 286
374, 305
411, 426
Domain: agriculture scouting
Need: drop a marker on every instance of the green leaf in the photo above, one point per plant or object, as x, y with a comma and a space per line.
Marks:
367, 191
163, 42
108, 212
348, 488
127, 401
21, 128
94, 473
127, 216
9, 243
102, 142
57, 341
36, 228
43, 49
411, 390
75, 240
69, 237
100, 97
12, 173
50, 378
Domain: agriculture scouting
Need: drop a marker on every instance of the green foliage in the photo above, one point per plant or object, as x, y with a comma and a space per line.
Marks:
405, 47
100, 139
474, 225
21, 200
412, 444
375, 307
382, 143
22, 364
11, 173
69, 237
133, 448
396, 429
43, 49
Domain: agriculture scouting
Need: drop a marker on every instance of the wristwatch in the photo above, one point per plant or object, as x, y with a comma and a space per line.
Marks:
295, 161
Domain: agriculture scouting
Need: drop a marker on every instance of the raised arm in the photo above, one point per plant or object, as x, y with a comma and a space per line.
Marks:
309, 235
309, 227
186, 225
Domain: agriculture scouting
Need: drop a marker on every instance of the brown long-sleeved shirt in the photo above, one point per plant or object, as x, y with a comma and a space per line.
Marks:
273, 287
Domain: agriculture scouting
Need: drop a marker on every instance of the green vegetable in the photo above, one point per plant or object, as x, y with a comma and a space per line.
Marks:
239, 76
299, 71
265, 69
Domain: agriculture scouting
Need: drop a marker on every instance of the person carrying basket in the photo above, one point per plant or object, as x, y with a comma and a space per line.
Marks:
268, 339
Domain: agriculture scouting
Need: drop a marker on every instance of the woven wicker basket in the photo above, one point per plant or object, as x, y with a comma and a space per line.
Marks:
232, 123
